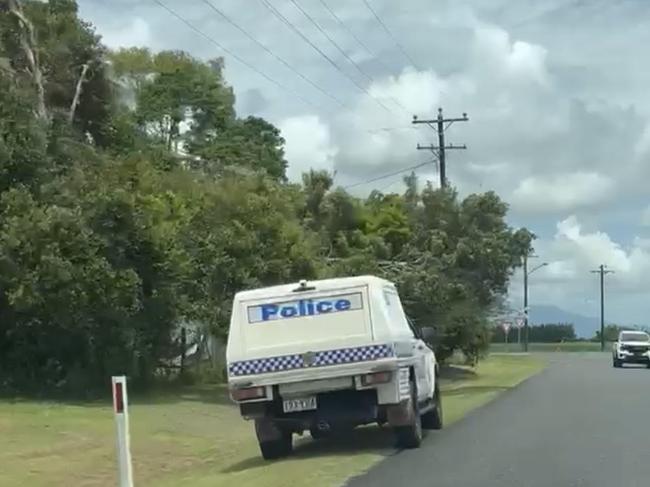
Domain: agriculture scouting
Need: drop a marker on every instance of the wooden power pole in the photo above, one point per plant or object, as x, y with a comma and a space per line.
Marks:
441, 124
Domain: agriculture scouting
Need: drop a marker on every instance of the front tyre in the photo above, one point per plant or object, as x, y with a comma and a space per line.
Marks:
410, 435
616, 363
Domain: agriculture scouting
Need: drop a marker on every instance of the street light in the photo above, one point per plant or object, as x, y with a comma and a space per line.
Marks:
526, 274
543, 264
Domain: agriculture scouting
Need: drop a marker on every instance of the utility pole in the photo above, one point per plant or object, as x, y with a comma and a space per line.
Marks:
441, 124
526, 303
602, 271
526, 274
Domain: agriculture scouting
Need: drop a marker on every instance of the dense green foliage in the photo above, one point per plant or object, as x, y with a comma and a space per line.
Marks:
612, 331
132, 198
544, 333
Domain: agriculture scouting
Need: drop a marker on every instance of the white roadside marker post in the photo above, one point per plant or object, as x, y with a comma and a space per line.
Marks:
120, 407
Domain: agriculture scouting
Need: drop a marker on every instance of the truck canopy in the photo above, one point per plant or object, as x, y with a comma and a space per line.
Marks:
314, 316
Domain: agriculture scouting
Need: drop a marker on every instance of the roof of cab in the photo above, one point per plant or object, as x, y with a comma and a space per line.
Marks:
323, 284
633, 332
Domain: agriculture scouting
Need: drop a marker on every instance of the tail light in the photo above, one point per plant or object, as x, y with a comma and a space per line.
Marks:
248, 393
376, 378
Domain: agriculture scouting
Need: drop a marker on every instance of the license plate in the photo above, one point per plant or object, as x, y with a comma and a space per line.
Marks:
301, 404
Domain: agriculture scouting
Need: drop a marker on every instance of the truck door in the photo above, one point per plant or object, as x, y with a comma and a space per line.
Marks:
425, 368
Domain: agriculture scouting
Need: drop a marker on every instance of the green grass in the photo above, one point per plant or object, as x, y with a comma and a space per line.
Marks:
549, 347
197, 438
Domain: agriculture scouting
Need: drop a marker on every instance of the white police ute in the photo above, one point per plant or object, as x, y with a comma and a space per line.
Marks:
330, 355
632, 347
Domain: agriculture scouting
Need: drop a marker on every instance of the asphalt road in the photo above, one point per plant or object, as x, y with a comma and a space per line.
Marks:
579, 423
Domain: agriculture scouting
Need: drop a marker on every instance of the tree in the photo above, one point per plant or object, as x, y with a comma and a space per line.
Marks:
252, 143
457, 266
316, 184
544, 333
183, 89
611, 333
65, 309
64, 61
133, 200
185, 105
389, 220
243, 233
23, 139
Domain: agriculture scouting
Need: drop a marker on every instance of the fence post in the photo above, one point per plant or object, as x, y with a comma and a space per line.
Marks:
121, 410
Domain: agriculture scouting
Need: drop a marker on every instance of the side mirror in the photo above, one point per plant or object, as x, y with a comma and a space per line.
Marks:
428, 334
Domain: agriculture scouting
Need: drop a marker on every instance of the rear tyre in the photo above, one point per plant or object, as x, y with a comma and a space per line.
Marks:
274, 449
274, 442
432, 420
648, 365
410, 436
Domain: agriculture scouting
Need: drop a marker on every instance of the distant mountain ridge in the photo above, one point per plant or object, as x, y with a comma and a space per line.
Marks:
585, 326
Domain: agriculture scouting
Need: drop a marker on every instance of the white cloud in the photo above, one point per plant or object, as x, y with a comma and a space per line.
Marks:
137, 32
562, 192
572, 253
364, 151
497, 53
642, 147
645, 216
416, 91
589, 250
308, 145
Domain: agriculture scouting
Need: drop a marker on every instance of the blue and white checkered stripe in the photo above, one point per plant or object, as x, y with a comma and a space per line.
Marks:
323, 358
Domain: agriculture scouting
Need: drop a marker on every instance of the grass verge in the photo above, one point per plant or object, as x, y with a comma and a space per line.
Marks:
549, 347
197, 438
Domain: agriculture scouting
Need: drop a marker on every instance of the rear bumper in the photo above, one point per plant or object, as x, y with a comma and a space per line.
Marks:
341, 400
336, 409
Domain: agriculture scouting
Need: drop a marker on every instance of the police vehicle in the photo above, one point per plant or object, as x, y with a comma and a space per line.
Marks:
632, 347
330, 355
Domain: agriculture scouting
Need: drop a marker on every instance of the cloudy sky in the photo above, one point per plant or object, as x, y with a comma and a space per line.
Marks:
556, 91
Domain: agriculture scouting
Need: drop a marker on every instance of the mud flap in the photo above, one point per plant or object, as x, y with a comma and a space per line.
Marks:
267, 430
400, 414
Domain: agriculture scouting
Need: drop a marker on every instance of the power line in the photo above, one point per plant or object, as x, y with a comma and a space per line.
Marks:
342, 51
369, 77
389, 129
288, 23
232, 54
379, 178
384, 188
269, 51
390, 34
352, 34
332, 41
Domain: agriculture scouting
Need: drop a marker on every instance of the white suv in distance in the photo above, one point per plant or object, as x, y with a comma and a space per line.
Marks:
632, 347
